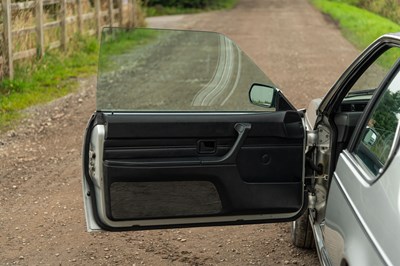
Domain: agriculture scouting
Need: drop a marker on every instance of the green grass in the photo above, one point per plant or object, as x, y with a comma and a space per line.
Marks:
55, 75
351, 2
43, 80
359, 26
121, 40
118, 41
152, 11
387, 8
163, 11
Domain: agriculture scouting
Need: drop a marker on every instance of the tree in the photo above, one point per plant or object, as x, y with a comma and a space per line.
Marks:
386, 113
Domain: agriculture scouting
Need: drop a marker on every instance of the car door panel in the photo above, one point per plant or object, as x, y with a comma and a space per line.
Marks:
163, 166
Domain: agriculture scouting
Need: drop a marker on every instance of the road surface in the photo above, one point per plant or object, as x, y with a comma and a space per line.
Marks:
41, 210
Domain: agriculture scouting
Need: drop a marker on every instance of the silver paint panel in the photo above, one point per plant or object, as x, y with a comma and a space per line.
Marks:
362, 219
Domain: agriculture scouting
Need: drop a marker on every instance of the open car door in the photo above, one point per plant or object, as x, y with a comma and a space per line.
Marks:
175, 141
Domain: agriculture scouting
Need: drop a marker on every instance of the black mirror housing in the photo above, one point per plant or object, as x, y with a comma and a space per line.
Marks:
269, 97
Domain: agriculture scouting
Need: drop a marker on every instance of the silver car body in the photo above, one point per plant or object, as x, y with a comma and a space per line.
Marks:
362, 214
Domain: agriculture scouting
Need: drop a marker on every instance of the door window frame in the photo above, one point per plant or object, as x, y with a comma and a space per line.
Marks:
367, 175
343, 85
329, 106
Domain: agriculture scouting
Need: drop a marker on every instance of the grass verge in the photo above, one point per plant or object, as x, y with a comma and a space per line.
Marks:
120, 41
359, 26
43, 80
159, 10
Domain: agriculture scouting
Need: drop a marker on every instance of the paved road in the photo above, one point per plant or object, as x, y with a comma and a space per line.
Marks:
41, 216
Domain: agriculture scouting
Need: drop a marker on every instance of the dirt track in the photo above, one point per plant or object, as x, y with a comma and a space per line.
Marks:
41, 211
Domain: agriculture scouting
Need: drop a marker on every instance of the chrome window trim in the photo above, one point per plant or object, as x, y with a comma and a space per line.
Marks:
394, 148
367, 177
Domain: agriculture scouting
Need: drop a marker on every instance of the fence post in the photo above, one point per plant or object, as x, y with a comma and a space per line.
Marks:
110, 12
39, 28
132, 17
79, 14
121, 12
8, 54
64, 37
97, 15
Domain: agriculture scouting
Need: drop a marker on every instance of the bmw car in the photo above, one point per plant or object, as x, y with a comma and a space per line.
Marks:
189, 132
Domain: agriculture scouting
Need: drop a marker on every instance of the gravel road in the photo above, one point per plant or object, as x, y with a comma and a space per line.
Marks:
41, 211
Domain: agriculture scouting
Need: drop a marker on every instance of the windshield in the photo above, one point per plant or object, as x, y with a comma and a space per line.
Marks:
171, 70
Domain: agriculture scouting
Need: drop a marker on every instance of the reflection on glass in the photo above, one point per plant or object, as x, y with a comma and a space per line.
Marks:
168, 70
378, 135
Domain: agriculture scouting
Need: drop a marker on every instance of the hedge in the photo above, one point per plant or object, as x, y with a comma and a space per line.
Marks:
186, 3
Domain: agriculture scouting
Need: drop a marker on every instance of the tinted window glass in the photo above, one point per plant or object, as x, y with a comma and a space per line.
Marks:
377, 71
171, 70
364, 88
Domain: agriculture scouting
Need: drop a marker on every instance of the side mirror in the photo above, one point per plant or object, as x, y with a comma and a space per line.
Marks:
269, 97
263, 95
370, 136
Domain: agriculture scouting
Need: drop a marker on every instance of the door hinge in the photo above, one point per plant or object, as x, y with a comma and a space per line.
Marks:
312, 138
319, 137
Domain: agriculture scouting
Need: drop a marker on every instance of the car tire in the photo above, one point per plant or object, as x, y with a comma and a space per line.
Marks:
302, 235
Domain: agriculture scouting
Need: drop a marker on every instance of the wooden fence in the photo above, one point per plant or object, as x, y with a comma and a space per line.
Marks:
104, 13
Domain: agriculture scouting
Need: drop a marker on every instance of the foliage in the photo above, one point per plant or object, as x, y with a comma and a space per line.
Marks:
42, 80
386, 113
350, 2
189, 3
118, 41
387, 8
180, 3
385, 123
360, 26
153, 11
170, 7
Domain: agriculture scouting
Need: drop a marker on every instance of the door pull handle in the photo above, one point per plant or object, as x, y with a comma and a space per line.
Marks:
230, 157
